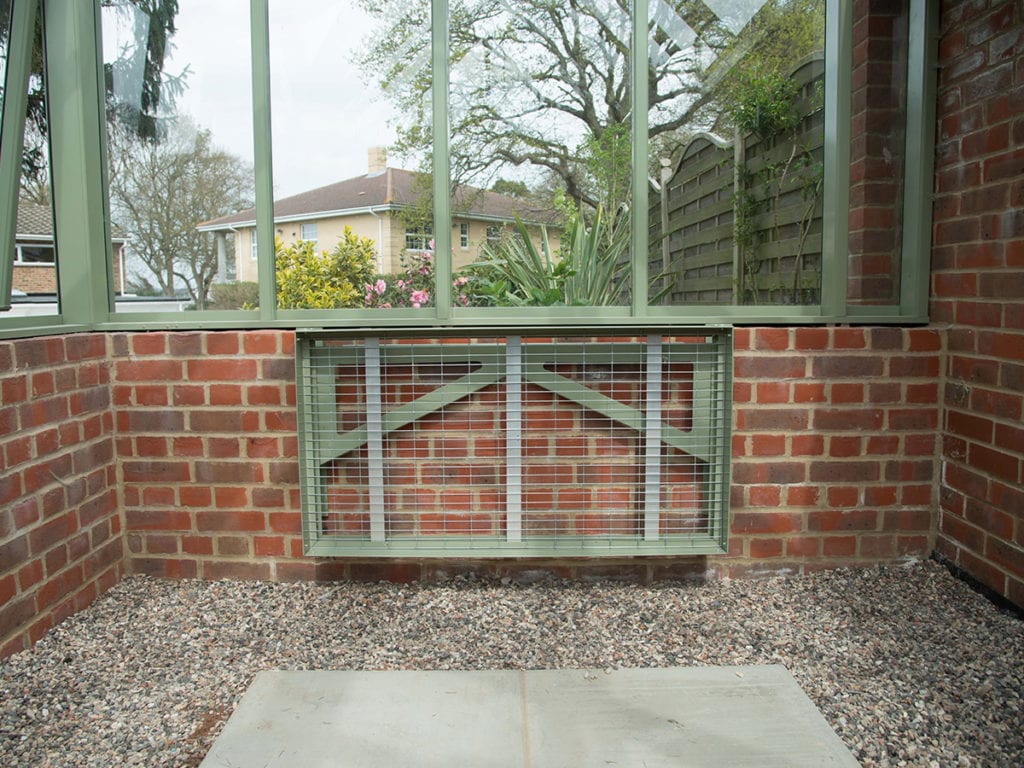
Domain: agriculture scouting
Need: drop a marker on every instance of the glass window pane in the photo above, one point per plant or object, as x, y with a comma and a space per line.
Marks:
341, 162
877, 151
5, 37
34, 276
540, 121
179, 122
736, 127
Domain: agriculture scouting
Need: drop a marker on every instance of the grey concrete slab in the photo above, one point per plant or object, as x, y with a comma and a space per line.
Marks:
684, 717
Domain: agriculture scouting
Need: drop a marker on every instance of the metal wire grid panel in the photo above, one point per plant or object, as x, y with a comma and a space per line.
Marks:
515, 446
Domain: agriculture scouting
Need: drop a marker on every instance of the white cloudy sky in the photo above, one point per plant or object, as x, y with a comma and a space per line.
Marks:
324, 116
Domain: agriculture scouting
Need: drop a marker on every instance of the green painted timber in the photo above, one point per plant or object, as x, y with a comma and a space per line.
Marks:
12, 133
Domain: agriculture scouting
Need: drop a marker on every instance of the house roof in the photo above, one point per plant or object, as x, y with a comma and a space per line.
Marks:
390, 189
36, 221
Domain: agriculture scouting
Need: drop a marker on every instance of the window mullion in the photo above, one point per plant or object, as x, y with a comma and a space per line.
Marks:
266, 267
835, 215
920, 166
442, 175
639, 107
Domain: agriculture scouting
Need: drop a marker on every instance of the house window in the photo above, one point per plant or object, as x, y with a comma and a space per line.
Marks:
463, 235
35, 254
308, 232
253, 246
493, 234
419, 238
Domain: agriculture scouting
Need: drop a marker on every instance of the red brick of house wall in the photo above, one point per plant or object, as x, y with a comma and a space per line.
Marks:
978, 289
60, 531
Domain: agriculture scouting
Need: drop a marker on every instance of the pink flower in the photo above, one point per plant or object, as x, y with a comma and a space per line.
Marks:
380, 287
419, 298
401, 285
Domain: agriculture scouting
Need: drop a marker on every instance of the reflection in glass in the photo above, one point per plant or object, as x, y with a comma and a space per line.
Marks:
736, 126
877, 151
180, 147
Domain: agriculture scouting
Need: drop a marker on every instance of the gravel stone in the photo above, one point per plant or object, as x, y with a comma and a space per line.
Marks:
908, 664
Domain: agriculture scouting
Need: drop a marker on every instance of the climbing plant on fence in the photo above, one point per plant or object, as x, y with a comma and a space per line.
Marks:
739, 220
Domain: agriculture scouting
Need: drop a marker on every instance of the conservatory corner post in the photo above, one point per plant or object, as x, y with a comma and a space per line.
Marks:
75, 103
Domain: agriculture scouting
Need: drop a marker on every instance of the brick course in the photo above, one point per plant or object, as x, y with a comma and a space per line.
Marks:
60, 531
978, 290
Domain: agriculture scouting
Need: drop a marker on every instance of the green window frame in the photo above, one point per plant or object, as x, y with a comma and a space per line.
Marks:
78, 151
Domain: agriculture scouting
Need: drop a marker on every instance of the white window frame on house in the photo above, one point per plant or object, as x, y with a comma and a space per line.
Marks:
19, 258
463, 235
253, 246
493, 234
418, 238
308, 232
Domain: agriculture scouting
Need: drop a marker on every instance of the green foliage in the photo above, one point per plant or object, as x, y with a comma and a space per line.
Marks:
607, 167
764, 103
240, 295
511, 188
412, 286
308, 279
589, 269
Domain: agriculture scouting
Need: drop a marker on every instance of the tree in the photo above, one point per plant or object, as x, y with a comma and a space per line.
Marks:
155, 22
163, 190
540, 84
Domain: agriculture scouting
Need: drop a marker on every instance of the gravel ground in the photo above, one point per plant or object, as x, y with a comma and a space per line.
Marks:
909, 666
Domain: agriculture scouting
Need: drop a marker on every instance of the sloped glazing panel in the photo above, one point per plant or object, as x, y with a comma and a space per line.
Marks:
540, 155
34, 274
180, 148
736, 127
5, 37
353, 210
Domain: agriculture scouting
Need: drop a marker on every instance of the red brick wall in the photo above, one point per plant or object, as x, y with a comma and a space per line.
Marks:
60, 533
878, 131
978, 289
208, 453
834, 447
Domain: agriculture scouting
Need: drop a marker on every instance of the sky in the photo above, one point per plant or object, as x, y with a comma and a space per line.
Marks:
325, 117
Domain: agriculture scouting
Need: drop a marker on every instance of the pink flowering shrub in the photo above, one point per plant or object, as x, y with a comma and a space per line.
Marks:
412, 286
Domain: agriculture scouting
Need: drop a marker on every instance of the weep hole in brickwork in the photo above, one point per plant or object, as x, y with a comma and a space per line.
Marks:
512, 446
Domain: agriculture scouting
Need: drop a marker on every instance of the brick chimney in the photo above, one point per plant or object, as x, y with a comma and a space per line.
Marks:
377, 159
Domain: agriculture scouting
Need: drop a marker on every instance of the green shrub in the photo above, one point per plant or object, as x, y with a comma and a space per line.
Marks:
241, 295
590, 269
311, 279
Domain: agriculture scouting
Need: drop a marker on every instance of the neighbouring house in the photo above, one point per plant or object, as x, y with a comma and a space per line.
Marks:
35, 256
373, 206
